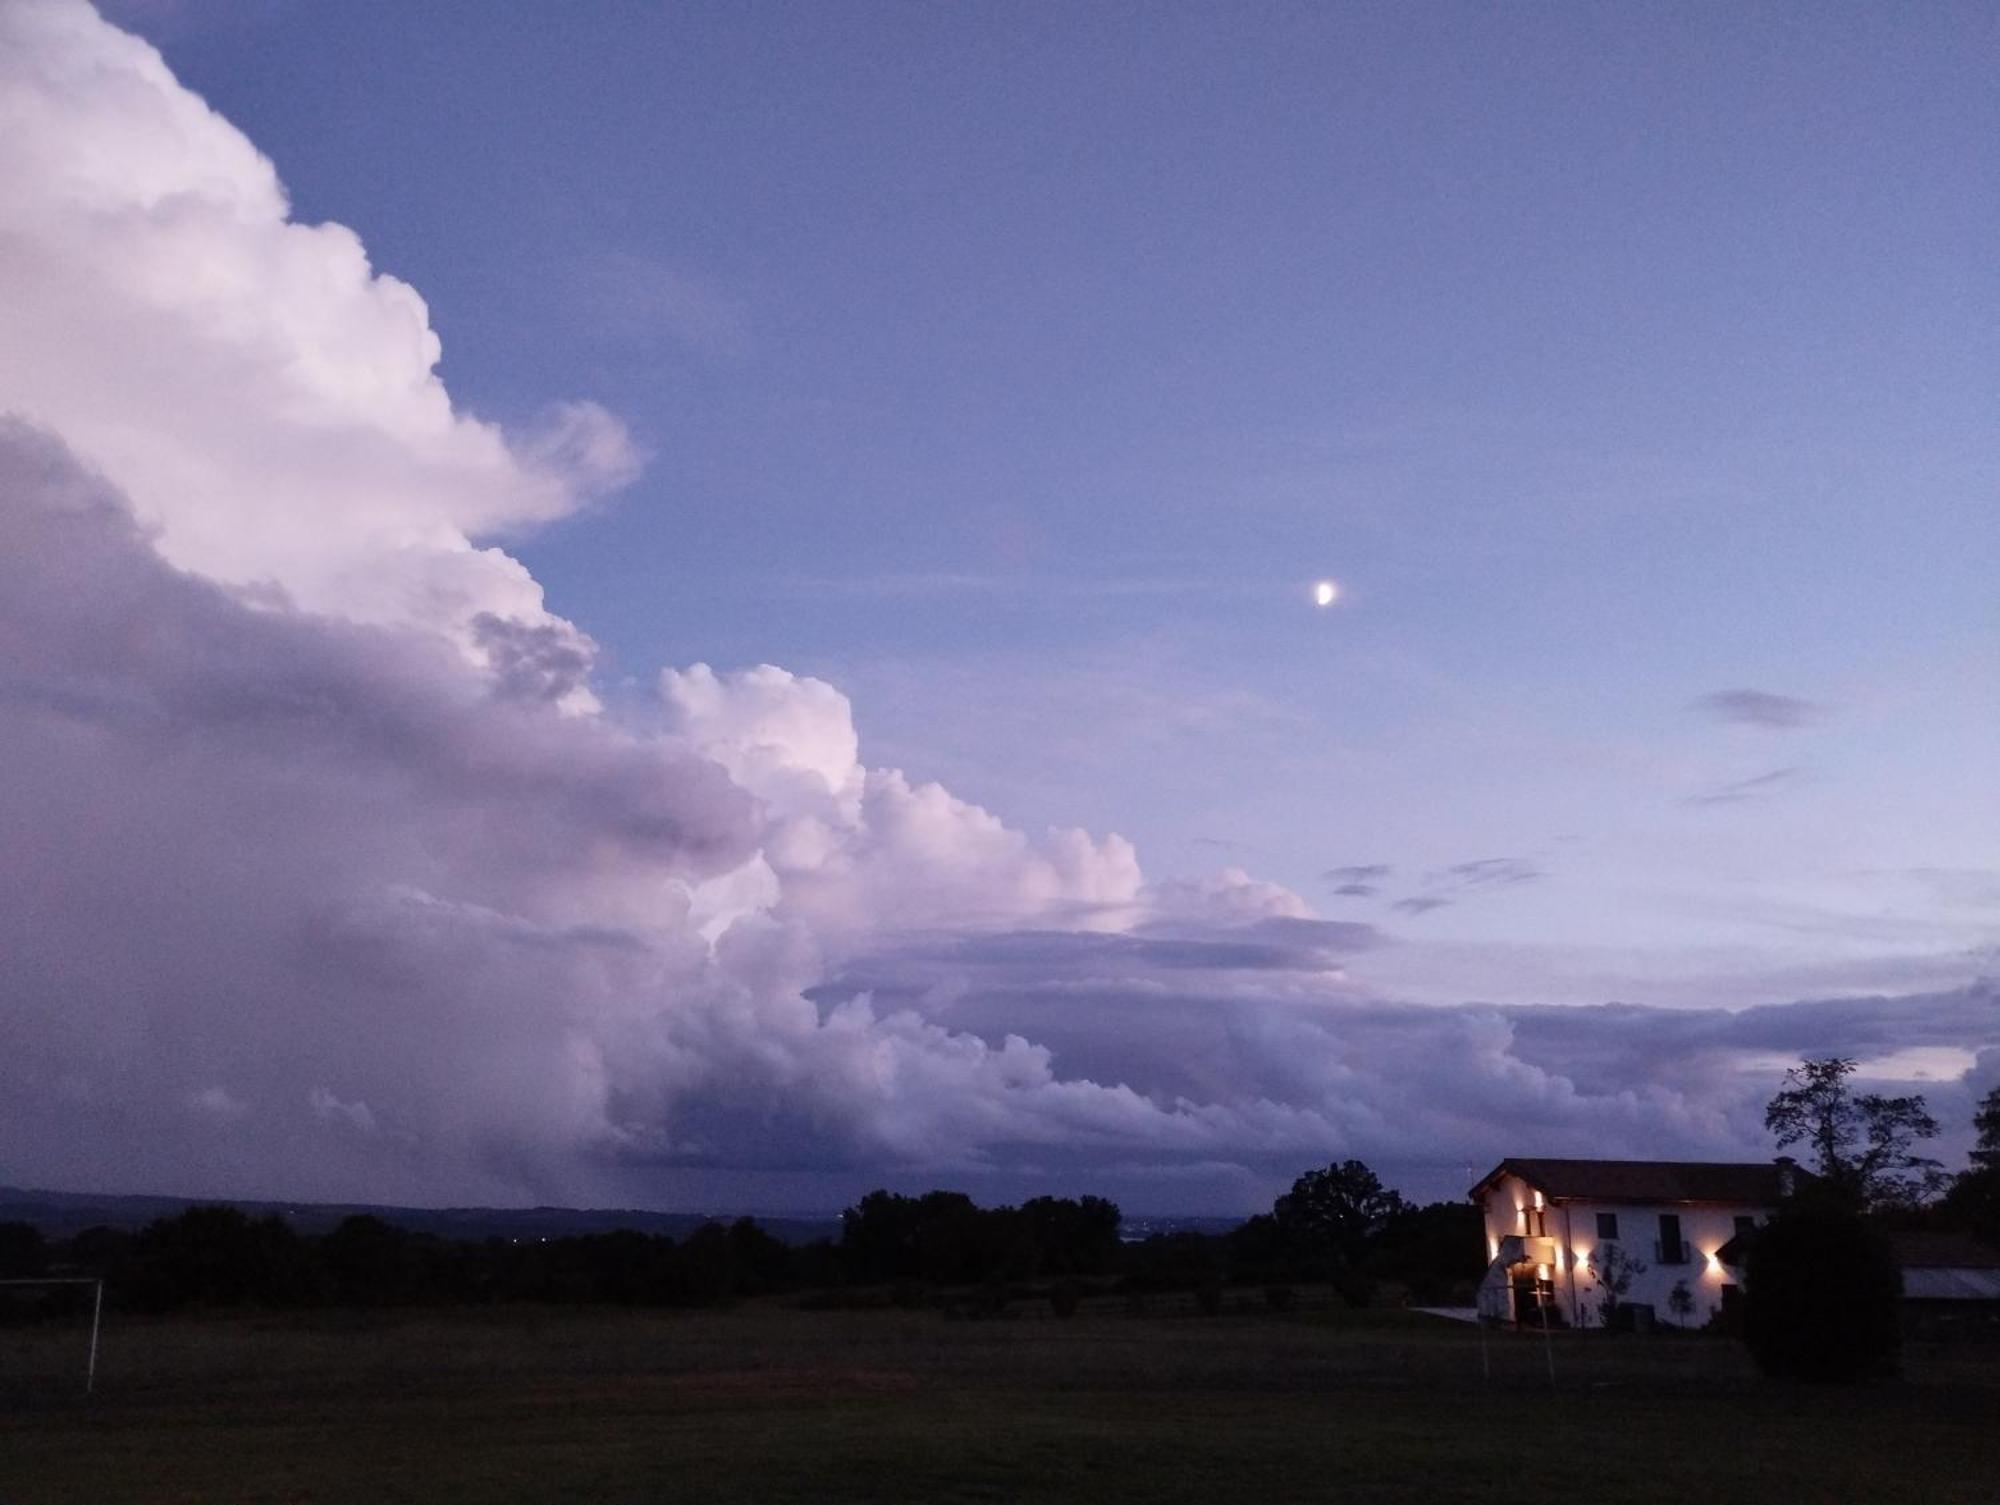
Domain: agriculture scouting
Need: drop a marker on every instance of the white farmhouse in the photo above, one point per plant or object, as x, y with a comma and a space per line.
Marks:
1550, 1226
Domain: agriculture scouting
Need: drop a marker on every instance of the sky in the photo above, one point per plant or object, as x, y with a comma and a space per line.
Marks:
712, 605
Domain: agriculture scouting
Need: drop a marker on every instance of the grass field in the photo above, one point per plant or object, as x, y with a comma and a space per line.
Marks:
763, 1403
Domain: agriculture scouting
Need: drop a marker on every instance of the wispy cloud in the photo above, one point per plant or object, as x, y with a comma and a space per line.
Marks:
1745, 789
1759, 708
1359, 880
1449, 885
1024, 585
628, 294
1421, 904
1491, 872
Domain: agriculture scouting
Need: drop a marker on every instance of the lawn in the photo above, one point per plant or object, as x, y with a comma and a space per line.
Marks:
767, 1403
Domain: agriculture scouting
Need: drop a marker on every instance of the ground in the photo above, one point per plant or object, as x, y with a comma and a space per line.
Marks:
766, 1403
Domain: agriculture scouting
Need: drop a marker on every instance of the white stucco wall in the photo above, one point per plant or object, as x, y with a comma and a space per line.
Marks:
1705, 1228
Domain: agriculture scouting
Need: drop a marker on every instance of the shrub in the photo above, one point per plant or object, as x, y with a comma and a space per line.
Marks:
1278, 1298
1208, 1296
1822, 1302
1064, 1297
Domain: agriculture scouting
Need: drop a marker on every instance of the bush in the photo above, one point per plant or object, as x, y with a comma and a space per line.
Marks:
1208, 1296
1278, 1298
1064, 1297
1823, 1297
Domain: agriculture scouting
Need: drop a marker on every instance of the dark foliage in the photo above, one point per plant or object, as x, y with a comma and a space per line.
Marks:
1973, 1203
943, 1238
1436, 1250
1330, 1217
1864, 1145
24, 1255
1823, 1297
1341, 1227
215, 1256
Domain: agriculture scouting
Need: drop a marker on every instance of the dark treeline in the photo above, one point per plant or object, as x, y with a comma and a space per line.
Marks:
1337, 1226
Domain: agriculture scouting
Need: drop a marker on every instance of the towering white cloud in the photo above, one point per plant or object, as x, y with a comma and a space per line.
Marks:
266, 400
326, 873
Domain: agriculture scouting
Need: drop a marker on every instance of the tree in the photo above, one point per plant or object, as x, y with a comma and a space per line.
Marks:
1435, 1250
1680, 1301
24, 1254
1985, 1154
1336, 1212
1823, 1297
1863, 1145
1612, 1271
1974, 1200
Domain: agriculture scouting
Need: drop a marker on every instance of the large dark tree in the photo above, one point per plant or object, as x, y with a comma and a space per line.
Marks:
1437, 1250
1863, 1145
1974, 1199
1336, 1213
1986, 1125
1823, 1297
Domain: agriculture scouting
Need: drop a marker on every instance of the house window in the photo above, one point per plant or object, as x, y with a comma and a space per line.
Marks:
1670, 1250
1607, 1225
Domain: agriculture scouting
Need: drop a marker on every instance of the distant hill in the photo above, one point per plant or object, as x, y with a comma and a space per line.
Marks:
60, 1214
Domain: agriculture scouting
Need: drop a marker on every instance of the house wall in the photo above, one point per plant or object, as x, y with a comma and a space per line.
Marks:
1507, 1208
1705, 1228
1505, 1212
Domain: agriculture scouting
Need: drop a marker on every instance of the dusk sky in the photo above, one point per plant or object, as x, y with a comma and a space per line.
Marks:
713, 605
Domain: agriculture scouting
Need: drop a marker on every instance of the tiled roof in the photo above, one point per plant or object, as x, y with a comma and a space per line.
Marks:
1754, 1184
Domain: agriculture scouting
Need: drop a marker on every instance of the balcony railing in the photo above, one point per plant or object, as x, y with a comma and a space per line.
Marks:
1679, 1252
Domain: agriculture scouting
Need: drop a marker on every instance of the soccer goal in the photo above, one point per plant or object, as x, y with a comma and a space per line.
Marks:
42, 1346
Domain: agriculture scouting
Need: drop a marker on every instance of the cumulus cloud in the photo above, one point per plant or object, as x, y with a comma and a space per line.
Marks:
1759, 708
332, 877
266, 400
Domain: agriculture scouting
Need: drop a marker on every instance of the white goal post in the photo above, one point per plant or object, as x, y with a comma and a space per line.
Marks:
96, 1314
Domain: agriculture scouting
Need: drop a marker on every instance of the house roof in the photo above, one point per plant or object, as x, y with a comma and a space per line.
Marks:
1755, 1184
1936, 1249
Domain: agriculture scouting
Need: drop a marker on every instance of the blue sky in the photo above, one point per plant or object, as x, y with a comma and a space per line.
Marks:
1017, 370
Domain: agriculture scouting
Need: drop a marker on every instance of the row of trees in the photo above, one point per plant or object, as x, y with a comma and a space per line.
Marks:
1341, 1224
1338, 1224
219, 1256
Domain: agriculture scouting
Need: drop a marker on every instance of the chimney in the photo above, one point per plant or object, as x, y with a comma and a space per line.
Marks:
1788, 1175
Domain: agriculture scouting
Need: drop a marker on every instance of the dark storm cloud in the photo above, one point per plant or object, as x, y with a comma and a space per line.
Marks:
1413, 1084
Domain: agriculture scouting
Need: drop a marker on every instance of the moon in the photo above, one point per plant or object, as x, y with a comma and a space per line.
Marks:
1325, 593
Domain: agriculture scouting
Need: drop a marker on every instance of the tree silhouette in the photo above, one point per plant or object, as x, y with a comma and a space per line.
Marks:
1822, 1298
1336, 1212
1974, 1199
1863, 1145
1613, 1270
